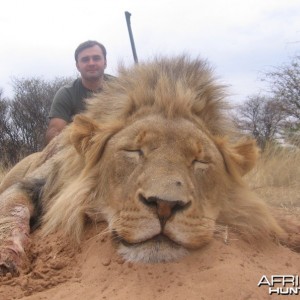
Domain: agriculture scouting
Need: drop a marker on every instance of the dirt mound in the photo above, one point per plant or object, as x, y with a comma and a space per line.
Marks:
228, 269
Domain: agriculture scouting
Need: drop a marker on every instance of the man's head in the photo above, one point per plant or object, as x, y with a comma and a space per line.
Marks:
90, 58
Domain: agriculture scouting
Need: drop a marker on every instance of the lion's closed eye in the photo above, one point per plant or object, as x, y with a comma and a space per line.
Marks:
135, 154
200, 165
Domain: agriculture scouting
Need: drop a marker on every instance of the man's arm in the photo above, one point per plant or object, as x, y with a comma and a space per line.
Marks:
55, 126
60, 113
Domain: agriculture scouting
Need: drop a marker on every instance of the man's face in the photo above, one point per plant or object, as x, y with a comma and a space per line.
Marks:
91, 63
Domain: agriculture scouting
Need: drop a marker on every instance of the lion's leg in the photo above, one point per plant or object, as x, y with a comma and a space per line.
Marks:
16, 209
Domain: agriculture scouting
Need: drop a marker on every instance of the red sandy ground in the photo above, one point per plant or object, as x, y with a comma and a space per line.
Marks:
232, 270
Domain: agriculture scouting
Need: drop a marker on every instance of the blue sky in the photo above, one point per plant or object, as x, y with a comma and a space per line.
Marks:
241, 39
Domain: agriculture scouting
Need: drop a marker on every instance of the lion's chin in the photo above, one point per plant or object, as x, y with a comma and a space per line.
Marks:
155, 250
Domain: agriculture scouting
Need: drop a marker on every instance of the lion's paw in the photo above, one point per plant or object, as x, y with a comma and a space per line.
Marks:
9, 262
12, 253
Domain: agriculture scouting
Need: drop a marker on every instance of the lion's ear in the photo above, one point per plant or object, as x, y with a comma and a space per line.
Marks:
239, 158
83, 129
89, 137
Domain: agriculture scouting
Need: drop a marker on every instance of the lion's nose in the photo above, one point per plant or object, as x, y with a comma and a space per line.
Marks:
164, 208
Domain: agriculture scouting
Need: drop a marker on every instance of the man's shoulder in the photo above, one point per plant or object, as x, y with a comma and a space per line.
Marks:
74, 84
69, 86
65, 92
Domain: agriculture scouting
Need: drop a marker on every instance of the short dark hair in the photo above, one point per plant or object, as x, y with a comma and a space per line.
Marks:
89, 44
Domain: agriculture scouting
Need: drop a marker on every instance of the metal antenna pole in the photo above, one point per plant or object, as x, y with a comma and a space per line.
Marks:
127, 15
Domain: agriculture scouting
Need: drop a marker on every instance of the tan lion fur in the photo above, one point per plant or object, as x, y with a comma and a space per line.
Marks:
174, 105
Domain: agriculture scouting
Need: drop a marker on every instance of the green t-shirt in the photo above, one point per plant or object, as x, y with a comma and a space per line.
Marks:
70, 100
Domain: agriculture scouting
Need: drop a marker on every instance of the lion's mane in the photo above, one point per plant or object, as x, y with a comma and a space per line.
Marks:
171, 87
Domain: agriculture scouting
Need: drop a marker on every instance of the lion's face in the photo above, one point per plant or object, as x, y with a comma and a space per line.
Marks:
164, 181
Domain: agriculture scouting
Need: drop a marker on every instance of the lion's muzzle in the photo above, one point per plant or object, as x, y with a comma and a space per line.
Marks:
162, 199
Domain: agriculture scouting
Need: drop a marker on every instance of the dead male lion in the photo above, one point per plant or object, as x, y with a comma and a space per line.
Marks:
154, 155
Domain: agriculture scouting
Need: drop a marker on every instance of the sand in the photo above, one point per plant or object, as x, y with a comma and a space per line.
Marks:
225, 269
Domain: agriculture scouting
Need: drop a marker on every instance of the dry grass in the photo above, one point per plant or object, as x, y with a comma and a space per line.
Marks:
276, 177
